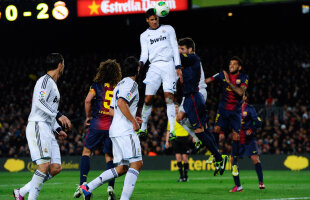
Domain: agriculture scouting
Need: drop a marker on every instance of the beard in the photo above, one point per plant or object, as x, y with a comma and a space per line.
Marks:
235, 72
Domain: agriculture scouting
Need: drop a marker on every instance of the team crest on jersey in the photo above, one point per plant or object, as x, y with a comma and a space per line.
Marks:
42, 93
138, 150
245, 113
238, 81
164, 31
45, 150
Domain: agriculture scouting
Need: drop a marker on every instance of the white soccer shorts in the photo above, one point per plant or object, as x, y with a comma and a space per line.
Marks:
126, 149
160, 73
42, 143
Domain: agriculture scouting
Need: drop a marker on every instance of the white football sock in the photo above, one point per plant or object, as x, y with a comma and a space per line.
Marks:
129, 183
146, 111
103, 178
24, 190
171, 115
36, 184
188, 127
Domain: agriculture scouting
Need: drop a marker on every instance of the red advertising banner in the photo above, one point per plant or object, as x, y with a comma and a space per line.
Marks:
93, 8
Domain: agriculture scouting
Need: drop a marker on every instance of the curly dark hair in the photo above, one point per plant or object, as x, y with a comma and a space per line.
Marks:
109, 71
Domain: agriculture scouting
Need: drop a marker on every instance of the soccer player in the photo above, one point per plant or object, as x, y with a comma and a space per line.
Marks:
41, 127
194, 106
159, 45
187, 46
99, 120
180, 146
248, 145
126, 145
234, 84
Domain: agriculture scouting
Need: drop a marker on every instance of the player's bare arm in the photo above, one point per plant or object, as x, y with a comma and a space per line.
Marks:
88, 100
208, 80
111, 112
123, 106
167, 138
239, 90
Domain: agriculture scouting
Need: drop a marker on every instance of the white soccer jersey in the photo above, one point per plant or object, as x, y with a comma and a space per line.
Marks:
202, 83
128, 90
159, 45
45, 101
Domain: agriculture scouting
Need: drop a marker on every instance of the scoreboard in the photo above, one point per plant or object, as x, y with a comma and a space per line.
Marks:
64, 10
39, 10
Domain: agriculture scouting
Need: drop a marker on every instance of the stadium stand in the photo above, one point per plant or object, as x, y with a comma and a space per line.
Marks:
278, 87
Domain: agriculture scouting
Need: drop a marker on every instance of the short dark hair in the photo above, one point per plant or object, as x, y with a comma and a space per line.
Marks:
237, 59
188, 42
52, 61
130, 66
150, 12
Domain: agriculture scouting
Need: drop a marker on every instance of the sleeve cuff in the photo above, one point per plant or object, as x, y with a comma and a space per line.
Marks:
178, 67
58, 130
124, 99
59, 114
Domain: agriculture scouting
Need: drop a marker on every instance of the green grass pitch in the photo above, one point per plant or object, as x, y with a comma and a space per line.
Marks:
163, 185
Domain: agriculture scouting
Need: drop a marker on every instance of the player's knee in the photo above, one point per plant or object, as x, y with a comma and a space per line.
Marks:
108, 157
148, 100
86, 152
44, 167
55, 169
180, 116
255, 159
139, 165
169, 100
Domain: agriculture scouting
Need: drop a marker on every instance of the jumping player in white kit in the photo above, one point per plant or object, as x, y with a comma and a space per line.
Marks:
41, 127
126, 144
159, 45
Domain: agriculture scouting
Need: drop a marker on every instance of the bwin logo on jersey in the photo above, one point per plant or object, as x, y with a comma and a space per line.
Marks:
161, 38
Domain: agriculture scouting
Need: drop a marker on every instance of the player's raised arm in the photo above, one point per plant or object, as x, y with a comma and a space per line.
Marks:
239, 90
217, 76
175, 48
144, 51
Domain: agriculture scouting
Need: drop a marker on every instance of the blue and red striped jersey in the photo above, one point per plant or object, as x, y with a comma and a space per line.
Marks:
250, 120
100, 107
231, 100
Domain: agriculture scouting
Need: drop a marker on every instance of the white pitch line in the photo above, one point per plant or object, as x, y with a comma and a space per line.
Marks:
292, 198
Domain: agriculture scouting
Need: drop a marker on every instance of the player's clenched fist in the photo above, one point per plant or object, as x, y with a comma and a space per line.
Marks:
65, 122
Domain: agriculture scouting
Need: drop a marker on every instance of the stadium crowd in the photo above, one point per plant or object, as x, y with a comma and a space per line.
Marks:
278, 84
